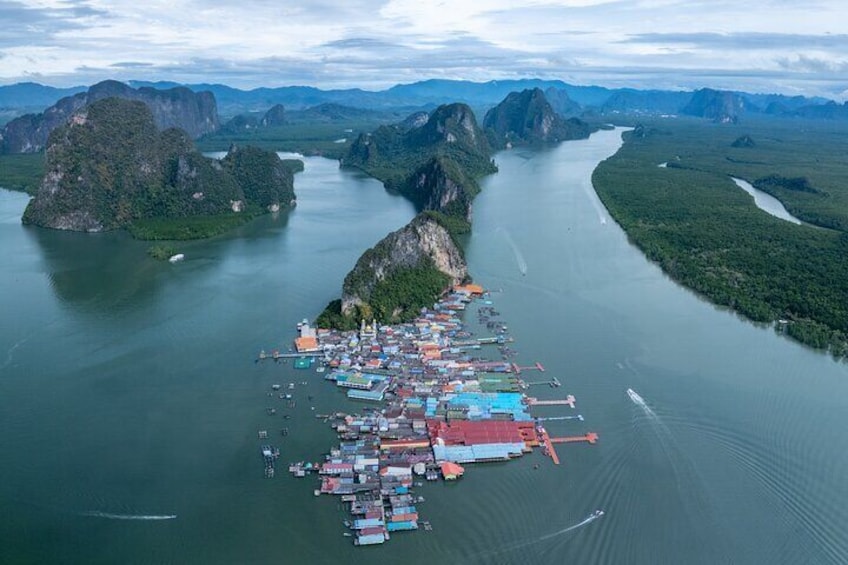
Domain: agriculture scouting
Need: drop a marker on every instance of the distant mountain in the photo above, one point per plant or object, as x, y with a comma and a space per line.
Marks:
109, 165
829, 111
651, 102
562, 103
240, 124
33, 95
275, 116
195, 113
526, 117
566, 99
720, 106
329, 112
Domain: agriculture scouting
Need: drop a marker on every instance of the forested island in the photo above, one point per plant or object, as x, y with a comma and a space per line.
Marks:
109, 167
434, 160
707, 234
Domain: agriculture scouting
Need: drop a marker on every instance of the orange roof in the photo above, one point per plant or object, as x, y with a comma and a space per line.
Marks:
306, 344
470, 288
452, 469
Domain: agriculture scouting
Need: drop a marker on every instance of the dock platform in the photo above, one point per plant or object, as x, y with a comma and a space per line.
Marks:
590, 437
567, 401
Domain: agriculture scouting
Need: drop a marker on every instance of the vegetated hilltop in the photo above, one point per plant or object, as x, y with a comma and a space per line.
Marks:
434, 161
391, 153
707, 234
526, 117
407, 270
195, 113
110, 167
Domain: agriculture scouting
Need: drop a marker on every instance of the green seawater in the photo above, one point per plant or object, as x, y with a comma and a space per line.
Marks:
128, 388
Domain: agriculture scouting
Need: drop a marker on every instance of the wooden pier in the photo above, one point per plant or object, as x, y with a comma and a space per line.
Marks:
274, 355
568, 401
550, 451
553, 383
537, 367
590, 437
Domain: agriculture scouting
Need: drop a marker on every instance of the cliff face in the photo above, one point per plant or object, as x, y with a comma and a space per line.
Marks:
391, 153
423, 248
717, 105
195, 113
110, 165
527, 118
275, 116
441, 186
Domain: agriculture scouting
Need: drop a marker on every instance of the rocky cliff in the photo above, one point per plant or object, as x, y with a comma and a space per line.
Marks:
392, 153
720, 106
274, 117
406, 270
195, 113
109, 165
527, 118
440, 185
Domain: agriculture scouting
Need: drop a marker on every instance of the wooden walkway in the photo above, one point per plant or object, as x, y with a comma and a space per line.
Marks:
590, 437
568, 401
550, 451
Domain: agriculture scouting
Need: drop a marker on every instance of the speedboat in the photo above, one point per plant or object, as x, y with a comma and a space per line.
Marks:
597, 513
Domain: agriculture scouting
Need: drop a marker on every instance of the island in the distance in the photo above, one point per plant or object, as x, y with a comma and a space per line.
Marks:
109, 167
434, 161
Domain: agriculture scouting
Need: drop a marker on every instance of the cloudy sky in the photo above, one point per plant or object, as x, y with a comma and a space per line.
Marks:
755, 45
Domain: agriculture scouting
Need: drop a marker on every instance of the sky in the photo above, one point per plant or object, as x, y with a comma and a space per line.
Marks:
784, 46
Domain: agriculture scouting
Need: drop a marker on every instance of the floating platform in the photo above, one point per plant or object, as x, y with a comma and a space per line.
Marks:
567, 401
590, 437
537, 367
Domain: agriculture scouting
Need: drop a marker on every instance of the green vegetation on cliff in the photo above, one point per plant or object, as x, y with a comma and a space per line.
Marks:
109, 167
707, 234
407, 270
527, 117
397, 298
392, 153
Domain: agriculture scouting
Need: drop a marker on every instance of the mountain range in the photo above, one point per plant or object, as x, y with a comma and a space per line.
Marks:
567, 99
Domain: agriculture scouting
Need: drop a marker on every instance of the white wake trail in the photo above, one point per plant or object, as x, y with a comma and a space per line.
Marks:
519, 257
109, 516
591, 518
639, 401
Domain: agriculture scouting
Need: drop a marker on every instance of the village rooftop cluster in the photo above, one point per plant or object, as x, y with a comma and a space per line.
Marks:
439, 403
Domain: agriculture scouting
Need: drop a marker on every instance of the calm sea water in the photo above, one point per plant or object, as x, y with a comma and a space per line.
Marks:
128, 389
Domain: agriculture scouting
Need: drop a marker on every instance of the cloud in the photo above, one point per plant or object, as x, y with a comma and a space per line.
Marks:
43, 23
377, 43
753, 40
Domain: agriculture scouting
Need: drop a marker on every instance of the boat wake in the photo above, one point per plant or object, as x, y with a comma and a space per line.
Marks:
519, 257
109, 516
11, 352
640, 402
520, 545
589, 519
596, 203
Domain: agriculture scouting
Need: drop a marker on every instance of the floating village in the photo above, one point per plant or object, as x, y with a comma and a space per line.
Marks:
436, 397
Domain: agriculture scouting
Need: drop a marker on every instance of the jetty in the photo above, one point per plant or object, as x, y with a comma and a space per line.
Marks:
567, 401
537, 367
590, 437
